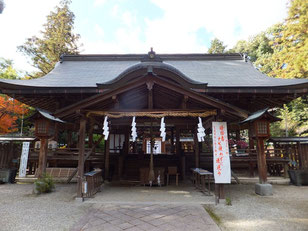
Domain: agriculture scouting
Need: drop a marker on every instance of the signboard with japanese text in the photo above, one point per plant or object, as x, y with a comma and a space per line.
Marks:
221, 159
24, 159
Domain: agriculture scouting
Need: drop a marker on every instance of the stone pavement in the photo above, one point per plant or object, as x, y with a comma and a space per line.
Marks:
150, 217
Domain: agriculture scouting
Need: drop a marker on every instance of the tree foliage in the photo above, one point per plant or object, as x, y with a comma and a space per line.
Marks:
216, 47
259, 48
57, 38
282, 51
291, 43
10, 111
294, 119
6, 69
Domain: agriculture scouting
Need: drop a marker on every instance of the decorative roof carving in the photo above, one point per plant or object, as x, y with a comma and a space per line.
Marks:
151, 57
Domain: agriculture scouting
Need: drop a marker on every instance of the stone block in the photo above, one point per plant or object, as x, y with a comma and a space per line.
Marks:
264, 189
79, 199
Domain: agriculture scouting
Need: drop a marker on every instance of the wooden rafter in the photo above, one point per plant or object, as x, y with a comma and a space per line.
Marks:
215, 103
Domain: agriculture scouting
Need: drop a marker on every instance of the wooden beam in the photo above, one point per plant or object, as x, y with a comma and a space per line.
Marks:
80, 176
150, 94
251, 141
90, 133
107, 159
97, 98
115, 101
86, 157
153, 80
184, 102
203, 98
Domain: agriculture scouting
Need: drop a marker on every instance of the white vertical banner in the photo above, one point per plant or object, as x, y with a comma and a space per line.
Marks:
221, 159
24, 159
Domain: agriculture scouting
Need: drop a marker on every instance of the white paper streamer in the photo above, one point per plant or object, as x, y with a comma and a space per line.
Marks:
134, 129
201, 131
106, 128
163, 129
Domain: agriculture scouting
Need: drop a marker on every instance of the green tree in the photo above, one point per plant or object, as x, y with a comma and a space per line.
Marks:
242, 46
282, 51
289, 60
291, 43
259, 48
6, 69
294, 119
216, 47
57, 38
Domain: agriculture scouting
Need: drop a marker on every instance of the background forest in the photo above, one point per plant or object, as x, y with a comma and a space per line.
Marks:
280, 51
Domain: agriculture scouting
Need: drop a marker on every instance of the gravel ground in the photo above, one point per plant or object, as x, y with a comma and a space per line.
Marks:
287, 209
21, 210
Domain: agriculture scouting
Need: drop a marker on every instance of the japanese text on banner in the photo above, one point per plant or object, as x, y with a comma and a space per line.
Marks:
221, 159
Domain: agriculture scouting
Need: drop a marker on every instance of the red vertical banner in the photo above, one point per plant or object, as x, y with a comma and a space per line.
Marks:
221, 159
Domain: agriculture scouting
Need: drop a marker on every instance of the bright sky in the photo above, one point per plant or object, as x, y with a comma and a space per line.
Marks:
133, 26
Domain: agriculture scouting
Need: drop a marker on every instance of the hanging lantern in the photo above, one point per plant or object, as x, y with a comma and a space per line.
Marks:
44, 127
259, 123
261, 128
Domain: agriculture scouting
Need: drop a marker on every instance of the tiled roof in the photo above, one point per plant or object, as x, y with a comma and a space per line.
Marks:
225, 70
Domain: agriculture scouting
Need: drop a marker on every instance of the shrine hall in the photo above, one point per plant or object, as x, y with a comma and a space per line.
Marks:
141, 117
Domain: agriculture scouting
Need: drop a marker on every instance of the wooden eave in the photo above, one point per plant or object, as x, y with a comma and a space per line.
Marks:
293, 89
154, 80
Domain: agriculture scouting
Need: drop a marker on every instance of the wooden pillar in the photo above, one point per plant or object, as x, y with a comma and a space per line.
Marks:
183, 167
251, 141
90, 144
299, 154
127, 135
10, 154
124, 152
238, 135
262, 168
80, 175
42, 157
106, 159
177, 141
219, 192
69, 139
56, 136
172, 140
197, 151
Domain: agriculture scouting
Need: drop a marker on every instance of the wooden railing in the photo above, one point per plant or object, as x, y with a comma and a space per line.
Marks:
56, 156
94, 181
278, 160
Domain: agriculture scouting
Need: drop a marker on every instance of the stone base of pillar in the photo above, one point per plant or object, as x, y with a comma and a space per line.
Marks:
264, 189
79, 199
